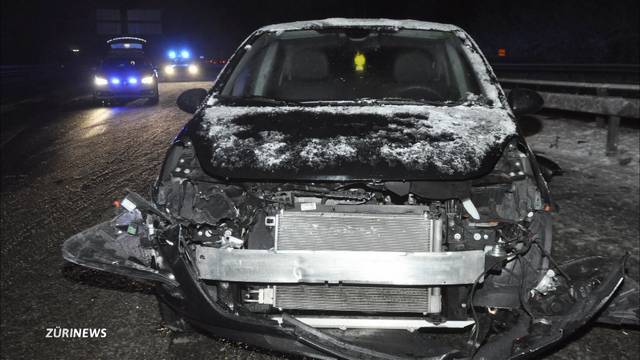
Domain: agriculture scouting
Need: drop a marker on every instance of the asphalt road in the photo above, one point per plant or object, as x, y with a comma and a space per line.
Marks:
64, 167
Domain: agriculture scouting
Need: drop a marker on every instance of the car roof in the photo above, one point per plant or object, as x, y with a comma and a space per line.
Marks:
344, 22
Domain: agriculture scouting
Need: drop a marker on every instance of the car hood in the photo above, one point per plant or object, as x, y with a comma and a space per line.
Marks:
380, 142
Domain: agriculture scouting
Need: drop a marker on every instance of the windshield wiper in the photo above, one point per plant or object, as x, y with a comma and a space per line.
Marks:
408, 101
256, 99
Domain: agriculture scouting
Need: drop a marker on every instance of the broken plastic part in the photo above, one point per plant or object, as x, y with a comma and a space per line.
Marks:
128, 204
558, 314
229, 241
624, 308
470, 208
133, 201
547, 284
102, 247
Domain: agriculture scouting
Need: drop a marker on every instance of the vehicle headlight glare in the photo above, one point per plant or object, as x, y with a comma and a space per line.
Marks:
193, 69
100, 81
169, 69
147, 80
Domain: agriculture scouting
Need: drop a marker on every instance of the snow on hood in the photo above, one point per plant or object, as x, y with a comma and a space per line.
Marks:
448, 140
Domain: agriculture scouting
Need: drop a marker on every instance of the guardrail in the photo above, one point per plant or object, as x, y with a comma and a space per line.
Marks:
605, 100
591, 73
22, 83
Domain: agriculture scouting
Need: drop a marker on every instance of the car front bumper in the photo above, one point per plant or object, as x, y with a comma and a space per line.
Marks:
182, 286
180, 73
525, 337
125, 91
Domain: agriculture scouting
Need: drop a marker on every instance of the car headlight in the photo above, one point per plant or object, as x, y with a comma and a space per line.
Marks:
100, 81
147, 80
193, 69
169, 69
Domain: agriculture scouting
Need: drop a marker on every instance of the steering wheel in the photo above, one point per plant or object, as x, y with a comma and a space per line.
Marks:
420, 92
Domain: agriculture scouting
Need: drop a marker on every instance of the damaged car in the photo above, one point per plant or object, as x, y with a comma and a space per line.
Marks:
358, 189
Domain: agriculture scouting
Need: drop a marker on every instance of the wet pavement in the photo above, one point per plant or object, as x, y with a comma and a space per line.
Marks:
64, 166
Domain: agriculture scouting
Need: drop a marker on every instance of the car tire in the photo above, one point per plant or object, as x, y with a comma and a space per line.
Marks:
171, 319
153, 100
97, 102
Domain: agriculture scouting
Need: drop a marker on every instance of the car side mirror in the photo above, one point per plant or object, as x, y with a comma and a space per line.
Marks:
190, 100
524, 101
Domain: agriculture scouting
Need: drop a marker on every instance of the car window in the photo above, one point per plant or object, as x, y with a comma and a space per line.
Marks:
350, 64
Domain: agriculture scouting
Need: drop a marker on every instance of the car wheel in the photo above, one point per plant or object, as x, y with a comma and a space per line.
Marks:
172, 319
153, 100
98, 102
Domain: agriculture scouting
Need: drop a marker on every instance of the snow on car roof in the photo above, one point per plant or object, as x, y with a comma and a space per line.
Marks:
342, 22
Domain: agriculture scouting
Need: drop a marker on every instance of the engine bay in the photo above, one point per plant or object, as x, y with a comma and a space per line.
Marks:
494, 214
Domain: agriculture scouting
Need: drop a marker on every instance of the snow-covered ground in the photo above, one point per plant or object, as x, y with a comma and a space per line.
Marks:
580, 146
598, 199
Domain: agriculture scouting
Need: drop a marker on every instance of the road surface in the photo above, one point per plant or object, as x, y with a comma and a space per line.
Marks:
65, 165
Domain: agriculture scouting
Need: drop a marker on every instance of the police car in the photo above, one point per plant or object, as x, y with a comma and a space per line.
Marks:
125, 73
180, 66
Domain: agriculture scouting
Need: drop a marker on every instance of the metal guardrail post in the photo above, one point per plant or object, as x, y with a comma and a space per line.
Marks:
612, 135
600, 120
603, 105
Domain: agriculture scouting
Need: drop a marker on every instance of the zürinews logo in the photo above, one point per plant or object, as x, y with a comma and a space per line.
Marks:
59, 332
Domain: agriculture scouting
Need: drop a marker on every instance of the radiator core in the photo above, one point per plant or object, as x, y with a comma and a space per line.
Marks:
353, 298
354, 231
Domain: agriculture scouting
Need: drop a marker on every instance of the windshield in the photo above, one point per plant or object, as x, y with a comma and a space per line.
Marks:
353, 64
125, 62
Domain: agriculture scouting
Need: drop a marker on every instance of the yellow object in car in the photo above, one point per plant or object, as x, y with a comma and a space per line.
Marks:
359, 60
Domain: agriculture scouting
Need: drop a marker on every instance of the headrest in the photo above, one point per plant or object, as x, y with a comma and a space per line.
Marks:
309, 65
414, 67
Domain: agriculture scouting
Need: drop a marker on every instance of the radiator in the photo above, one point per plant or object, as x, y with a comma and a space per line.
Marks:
405, 229
352, 298
297, 230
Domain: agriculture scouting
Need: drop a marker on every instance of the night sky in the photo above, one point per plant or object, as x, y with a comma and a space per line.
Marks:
40, 32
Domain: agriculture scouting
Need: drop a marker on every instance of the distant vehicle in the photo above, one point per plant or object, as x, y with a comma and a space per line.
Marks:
126, 73
181, 66
358, 189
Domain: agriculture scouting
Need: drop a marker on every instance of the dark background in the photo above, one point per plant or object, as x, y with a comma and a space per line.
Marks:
43, 32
